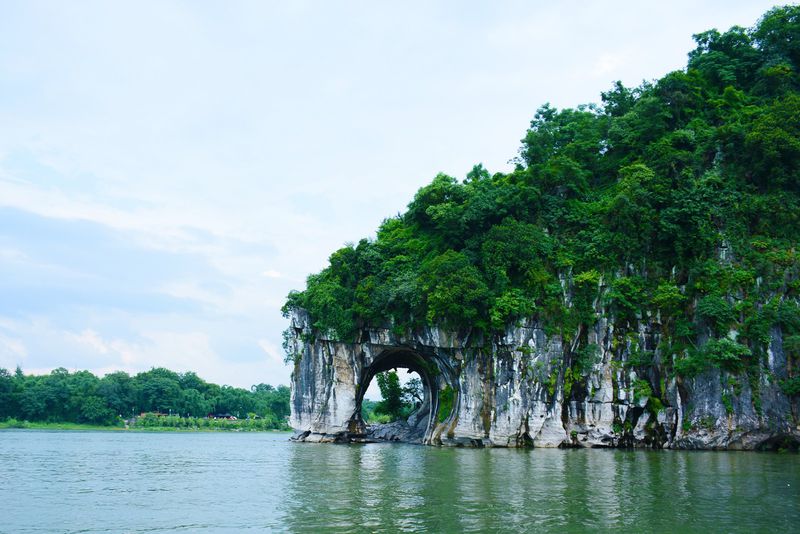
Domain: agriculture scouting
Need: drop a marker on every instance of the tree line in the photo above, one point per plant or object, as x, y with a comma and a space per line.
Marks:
82, 397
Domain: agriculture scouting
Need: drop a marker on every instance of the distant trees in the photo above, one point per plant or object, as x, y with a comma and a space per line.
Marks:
8, 397
398, 401
82, 397
391, 393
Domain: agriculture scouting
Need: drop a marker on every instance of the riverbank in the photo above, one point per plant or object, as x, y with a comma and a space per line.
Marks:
26, 425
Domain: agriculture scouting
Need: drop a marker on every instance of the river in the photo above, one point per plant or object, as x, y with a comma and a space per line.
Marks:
232, 482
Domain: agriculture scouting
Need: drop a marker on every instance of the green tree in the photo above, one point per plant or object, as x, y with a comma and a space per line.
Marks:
455, 290
391, 402
118, 393
773, 142
158, 390
8, 401
717, 311
193, 403
94, 410
776, 36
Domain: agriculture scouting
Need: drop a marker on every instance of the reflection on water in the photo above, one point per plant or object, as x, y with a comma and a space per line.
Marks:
225, 482
411, 488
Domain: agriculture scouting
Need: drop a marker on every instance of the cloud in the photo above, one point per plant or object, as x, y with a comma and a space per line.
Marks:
161, 341
271, 351
91, 339
607, 63
9, 254
13, 346
13, 352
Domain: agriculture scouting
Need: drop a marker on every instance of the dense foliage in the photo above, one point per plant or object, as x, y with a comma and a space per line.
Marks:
82, 397
678, 199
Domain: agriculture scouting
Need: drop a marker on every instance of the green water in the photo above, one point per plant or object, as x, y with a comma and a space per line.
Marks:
233, 482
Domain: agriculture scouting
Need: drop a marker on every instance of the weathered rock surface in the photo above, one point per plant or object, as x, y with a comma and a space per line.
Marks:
517, 390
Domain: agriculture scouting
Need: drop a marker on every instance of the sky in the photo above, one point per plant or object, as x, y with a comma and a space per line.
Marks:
169, 171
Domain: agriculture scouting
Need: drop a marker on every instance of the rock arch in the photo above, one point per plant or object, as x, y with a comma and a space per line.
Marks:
420, 427
330, 379
494, 400
518, 388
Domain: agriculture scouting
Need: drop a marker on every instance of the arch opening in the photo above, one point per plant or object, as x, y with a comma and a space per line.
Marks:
417, 424
392, 396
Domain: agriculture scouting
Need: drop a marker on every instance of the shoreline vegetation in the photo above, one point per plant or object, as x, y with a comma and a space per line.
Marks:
13, 424
154, 400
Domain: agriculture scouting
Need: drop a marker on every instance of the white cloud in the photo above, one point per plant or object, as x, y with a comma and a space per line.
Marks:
607, 63
91, 339
13, 352
14, 346
162, 341
10, 254
271, 350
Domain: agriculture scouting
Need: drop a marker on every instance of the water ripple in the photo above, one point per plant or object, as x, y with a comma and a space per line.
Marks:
213, 482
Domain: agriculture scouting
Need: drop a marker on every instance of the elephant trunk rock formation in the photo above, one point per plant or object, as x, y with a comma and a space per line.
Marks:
516, 390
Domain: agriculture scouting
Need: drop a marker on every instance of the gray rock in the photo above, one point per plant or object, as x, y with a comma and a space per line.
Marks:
517, 389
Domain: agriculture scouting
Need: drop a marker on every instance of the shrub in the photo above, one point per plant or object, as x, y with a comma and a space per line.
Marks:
14, 423
641, 390
446, 397
626, 297
722, 353
509, 306
727, 402
717, 311
725, 353
791, 386
586, 358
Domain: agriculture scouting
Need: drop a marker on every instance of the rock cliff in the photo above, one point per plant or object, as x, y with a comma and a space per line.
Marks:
518, 390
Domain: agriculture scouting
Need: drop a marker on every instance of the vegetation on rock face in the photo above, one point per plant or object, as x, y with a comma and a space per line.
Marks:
677, 201
81, 397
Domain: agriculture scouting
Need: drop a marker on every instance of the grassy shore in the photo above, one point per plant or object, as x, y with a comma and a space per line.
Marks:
26, 425
5, 425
